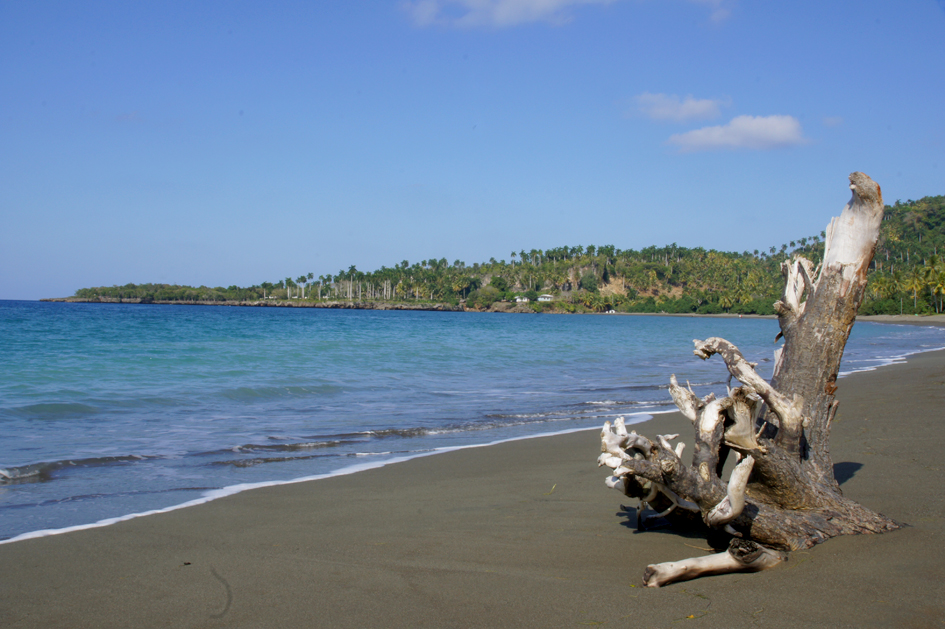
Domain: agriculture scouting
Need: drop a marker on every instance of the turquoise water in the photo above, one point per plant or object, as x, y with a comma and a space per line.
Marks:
108, 410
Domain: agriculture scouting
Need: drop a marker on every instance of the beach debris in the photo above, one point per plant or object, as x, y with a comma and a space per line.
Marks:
781, 494
742, 556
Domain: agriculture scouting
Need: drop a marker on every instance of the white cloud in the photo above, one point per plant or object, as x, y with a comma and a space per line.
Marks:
666, 107
502, 13
499, 13
720, 8
743, 132
423, 12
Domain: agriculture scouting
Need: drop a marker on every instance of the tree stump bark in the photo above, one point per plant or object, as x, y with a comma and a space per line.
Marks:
782, 494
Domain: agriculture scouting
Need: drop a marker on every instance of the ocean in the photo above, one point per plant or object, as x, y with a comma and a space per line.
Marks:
109, 410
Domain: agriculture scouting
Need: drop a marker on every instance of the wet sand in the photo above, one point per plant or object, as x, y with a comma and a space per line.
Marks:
517, 534
937, 320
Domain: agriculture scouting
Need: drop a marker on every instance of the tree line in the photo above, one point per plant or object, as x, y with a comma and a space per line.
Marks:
907, 276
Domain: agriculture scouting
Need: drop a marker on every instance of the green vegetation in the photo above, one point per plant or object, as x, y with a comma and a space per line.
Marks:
908, 271
907, 276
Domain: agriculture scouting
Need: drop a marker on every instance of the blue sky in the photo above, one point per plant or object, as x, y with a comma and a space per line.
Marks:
222, 143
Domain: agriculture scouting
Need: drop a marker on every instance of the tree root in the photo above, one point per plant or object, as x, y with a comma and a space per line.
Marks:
782, 493
741, 556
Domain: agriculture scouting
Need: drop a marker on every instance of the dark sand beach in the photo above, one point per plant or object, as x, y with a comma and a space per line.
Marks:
521, 534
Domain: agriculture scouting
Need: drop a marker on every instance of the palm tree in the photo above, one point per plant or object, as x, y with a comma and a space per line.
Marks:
914, 219
933, 269
938, 288
896, 284
879, 286
915, 282
557, 279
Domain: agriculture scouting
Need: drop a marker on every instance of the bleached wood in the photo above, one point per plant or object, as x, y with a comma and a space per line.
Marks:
742, 433
685, 400
788, 411
781, 493
851, 237
734, 501
797, 283
738, 558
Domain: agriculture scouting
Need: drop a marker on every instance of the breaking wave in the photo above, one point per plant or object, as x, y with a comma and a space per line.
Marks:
45, 471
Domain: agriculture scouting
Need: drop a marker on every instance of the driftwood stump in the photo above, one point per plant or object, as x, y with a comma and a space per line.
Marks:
782, 494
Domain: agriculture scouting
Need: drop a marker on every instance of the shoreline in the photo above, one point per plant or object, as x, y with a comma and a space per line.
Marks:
343, 305
231, 490
521, 532
937, 320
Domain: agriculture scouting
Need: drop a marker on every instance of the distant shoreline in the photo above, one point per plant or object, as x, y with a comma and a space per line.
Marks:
934, 320
499, 306
265, 303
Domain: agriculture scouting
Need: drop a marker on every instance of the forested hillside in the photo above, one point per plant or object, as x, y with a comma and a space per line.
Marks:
908, 273
907, 276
